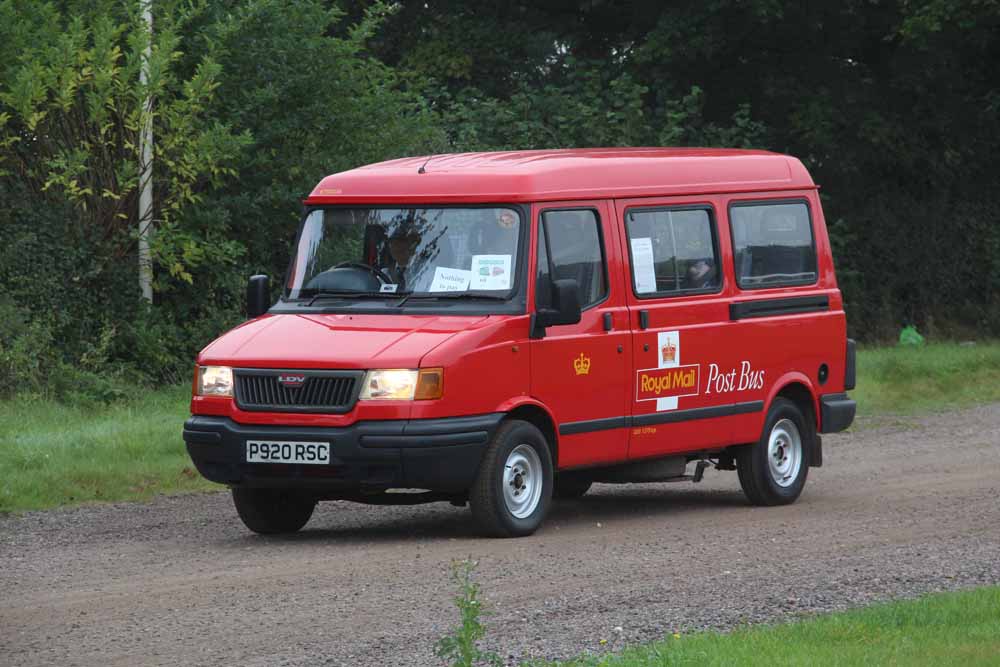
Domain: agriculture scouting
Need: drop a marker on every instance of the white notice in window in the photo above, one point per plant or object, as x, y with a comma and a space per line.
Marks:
450, 280
490, 272
642, 265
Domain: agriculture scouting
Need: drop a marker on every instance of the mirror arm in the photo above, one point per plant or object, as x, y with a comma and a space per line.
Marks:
539, 321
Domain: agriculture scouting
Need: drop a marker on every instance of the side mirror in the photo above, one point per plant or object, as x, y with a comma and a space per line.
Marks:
258, 296
565, 307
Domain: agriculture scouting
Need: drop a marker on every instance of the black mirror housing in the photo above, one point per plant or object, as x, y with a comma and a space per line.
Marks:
258, 296
566, 301
565, 308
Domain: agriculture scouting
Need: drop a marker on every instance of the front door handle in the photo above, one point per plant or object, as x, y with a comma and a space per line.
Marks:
608, 322
643, 319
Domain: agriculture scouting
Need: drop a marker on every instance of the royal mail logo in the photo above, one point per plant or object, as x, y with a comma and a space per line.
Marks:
291, 381
671, 379
668, 353
582, 365
655, 383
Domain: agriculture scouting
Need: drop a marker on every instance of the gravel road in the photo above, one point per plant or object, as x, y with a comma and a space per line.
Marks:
902, 507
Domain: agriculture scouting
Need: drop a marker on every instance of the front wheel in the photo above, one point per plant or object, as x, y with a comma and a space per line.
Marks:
272, 511
513, 488
773, 471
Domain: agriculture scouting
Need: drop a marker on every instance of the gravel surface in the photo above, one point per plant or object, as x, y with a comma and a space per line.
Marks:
901, 508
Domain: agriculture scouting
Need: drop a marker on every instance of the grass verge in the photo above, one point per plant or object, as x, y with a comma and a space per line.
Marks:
908, 380
53, 454
946, 629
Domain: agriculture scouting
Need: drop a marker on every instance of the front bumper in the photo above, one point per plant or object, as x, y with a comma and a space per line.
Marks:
836, 412
435, 454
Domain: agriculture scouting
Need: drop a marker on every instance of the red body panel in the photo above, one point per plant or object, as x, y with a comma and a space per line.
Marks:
593, 382
553, 175
334, 341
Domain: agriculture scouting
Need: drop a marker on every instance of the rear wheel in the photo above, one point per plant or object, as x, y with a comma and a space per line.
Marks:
273, 511
773, 471
513, 489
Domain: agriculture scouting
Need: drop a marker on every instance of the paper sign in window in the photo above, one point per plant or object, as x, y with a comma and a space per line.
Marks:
642, 265
490, 272
450, 280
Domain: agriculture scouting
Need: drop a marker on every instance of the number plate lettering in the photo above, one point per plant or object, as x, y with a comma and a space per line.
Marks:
267, 451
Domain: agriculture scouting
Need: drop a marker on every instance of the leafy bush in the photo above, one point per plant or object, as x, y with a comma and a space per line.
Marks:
31, 363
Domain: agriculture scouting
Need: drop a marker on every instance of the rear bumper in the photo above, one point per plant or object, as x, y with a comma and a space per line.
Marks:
436, 454
836, 412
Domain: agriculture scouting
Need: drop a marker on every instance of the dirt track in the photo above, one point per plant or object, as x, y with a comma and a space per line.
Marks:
900, 508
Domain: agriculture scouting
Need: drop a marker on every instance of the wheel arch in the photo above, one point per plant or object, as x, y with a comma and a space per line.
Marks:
797, 388
535, 413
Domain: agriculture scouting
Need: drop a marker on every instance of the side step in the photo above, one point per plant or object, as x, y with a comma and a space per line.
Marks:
670, 469
400, 498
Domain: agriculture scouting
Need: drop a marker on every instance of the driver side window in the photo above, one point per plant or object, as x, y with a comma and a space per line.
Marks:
570, 246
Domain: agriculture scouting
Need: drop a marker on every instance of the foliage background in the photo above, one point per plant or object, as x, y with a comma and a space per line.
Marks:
893, 105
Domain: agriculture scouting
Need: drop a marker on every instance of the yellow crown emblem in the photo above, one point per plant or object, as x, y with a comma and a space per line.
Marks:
581, 364
669, 352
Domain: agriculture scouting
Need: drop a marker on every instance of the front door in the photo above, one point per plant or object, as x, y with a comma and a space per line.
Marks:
579, 370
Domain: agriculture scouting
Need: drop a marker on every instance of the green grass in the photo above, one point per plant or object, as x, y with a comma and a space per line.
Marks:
947, 629
53, 454
909, 380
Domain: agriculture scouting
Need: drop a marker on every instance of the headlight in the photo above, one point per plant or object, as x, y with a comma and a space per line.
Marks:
215, 381
399, 384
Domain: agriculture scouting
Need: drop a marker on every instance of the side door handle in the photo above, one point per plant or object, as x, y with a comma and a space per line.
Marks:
643, 319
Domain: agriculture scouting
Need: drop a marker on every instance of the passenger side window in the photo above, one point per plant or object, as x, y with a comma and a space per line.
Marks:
673, 251
569, 246
772, 244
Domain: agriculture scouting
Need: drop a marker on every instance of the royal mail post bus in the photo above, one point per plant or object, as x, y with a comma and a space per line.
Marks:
499, 329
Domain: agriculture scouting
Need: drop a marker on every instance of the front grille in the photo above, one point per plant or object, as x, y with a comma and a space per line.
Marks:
322, 391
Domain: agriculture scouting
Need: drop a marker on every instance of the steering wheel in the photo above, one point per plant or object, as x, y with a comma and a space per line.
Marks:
374, 270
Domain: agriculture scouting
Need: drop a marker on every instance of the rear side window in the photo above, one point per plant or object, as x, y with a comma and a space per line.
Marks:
773, 244
569, 246
673, 251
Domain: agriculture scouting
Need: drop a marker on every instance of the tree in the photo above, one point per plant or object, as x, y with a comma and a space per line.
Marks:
72, 106
893, 106
300, 80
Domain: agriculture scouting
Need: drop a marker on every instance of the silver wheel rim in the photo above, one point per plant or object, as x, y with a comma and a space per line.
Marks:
784, 453
522, 481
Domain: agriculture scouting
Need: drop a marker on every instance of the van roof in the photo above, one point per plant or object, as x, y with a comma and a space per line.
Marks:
550, 175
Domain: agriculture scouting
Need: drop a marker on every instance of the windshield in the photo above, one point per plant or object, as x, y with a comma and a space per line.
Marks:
417, 251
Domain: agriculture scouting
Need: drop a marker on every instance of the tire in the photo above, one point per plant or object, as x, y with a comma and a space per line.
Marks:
513, 488
273, 511
569, 486
773, 471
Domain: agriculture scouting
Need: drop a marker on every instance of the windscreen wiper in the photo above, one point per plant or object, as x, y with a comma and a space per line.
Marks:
452, 295
344, 295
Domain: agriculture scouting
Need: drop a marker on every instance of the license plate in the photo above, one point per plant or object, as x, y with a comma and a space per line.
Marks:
269, 451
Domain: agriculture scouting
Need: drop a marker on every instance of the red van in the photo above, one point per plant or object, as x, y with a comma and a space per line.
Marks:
500, 328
